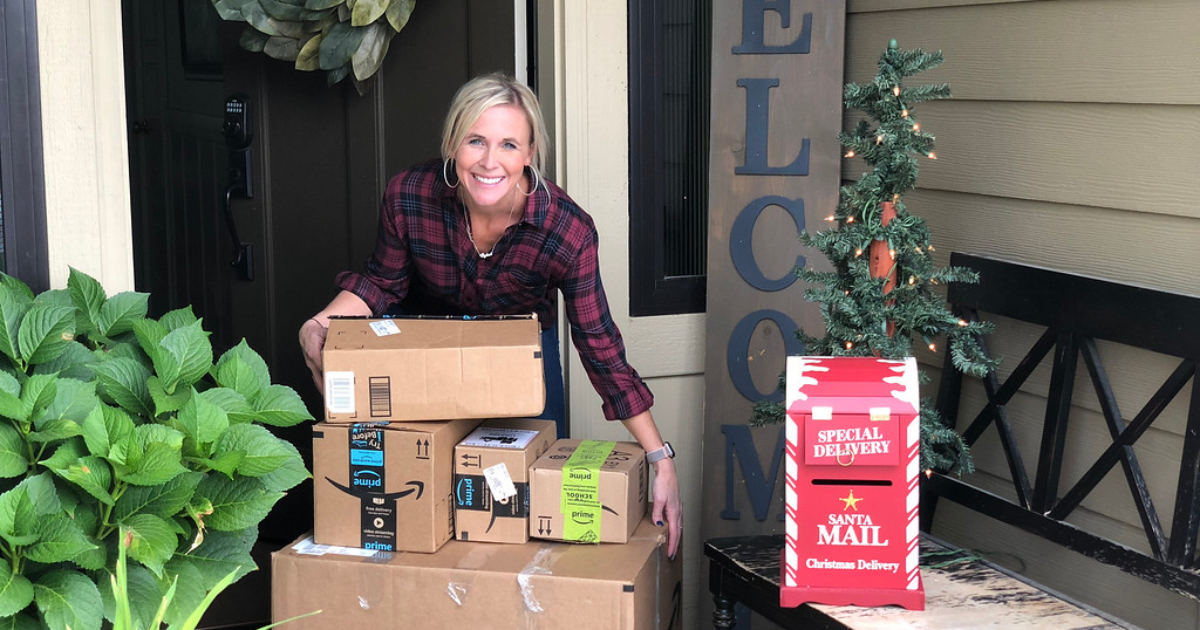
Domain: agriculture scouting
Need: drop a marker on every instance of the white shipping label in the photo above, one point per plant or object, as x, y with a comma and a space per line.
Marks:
384, 328
499, 482
339, 392
500, 438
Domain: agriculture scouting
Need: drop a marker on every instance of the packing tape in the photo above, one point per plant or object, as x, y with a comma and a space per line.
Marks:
538, 565
469, 565
580, 496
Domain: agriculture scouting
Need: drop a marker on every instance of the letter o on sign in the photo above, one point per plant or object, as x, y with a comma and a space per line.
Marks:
739, 349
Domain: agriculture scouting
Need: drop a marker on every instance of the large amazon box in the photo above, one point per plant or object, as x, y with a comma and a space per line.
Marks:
539, 584
587, 491
433, 368
491, 478
385, 486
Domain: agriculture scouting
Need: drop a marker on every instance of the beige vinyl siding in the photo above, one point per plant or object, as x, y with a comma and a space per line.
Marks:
1072, 142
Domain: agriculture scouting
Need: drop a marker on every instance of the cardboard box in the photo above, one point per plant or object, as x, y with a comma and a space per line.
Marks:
385, 485
539, 584
414, 369
587, 491
491, 478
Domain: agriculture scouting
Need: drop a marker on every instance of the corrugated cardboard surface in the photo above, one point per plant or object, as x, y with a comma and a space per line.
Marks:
539, 584
622, 486
506, 446
433, 369
415, 490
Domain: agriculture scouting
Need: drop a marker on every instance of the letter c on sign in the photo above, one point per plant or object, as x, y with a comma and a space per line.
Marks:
741, 241
739, 349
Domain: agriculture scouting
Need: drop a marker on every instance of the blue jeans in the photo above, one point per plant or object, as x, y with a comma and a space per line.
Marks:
556, 401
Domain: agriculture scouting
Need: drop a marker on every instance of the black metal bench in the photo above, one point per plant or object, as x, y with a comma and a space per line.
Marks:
1076, 311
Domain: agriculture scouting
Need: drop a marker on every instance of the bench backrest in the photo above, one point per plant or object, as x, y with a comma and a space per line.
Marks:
1077, 311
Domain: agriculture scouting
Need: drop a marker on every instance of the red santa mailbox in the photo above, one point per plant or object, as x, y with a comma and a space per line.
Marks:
853, 436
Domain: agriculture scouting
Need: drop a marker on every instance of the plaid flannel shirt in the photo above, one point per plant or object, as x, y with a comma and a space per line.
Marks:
424, 260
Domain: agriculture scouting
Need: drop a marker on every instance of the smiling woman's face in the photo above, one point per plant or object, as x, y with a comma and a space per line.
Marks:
492, 158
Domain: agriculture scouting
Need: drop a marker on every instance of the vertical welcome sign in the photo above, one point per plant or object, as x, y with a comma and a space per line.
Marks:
774, 170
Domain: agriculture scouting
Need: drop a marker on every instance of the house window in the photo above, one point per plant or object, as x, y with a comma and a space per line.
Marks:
22, 188
669, 62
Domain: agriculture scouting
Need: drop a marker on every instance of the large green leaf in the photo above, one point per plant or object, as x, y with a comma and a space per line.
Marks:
142, 591
235, 405
59, 540
43, 494
19, 622
45, 332
185, 356
13, 456
16, 591
398, 13
68, 599
292, 12
231, 10
309, 57
10, 397
18, 518
87, 295
13, 306
237, 503
104, 427
153, 541
189, 591
37, 394
119, 313
367, 11
150, 334
288, 475
202, 420
74, 362
164, 500
92, 559
280, 406
165, 403
226, 462
123, 380
19, 289
219, 554
161, 457
73, 401
283, 48
249, 384
253, 40
339, 45
179, 318
94, 475
369, 56
264, 452
259, 19
54, 430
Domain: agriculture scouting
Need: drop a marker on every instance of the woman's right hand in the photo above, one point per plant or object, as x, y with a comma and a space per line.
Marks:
312, 342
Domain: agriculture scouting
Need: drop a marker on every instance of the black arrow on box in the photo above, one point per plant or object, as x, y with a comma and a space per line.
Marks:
422, 449
471, 461
544, 525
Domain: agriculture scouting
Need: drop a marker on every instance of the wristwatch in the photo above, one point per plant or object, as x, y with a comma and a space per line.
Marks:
660, 454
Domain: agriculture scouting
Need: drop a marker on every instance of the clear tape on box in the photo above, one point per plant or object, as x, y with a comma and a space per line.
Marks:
469, 566
538, 565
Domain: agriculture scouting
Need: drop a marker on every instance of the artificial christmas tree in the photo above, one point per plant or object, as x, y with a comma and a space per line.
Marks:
881, 296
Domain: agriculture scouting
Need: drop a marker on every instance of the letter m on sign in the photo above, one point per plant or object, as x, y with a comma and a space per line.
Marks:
739, 441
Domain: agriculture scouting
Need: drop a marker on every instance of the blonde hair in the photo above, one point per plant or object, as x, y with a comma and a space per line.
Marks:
483, 92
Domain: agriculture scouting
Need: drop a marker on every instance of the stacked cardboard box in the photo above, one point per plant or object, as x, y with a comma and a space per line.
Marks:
491, 478
539, 584
393, 473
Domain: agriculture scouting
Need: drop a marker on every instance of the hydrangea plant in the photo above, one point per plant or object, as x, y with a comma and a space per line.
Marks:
111, 422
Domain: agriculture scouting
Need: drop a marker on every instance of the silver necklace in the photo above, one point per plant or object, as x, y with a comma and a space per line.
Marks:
471, 237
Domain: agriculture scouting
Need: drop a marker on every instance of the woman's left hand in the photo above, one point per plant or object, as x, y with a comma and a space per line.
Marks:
668, 507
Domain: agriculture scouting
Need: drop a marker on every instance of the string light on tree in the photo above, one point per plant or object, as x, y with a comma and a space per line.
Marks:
864, 315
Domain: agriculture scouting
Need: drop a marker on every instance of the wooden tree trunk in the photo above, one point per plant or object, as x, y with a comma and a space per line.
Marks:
883, 263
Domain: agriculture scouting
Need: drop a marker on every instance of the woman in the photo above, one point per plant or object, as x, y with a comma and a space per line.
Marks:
478, 232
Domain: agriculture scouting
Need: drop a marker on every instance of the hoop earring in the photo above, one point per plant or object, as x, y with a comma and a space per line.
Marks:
446, 177
537, 181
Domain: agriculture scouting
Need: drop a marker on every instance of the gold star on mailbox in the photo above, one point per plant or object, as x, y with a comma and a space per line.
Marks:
851, 501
